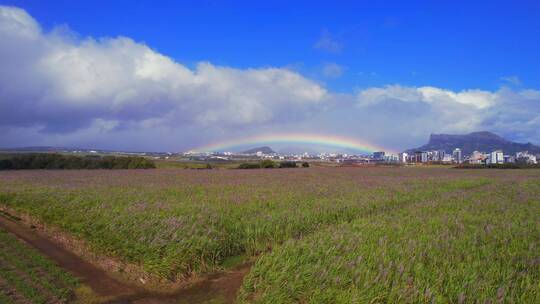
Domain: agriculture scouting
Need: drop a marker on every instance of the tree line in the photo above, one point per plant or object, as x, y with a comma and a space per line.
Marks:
498, 166
59, 161
268, 164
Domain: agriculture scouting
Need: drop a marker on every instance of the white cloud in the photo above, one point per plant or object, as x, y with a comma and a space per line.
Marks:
513, 80
327, 43
420, 110
56, 89
332, 70
50, 74
16, 21
432, 95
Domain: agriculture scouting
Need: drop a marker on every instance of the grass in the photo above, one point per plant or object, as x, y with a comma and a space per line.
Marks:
188, 222
310, 227
187, 164
468, 247
25, 274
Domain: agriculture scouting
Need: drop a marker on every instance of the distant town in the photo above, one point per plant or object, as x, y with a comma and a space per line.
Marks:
477, 148
419, 157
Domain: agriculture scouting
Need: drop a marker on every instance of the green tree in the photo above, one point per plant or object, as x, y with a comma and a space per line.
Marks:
267, 164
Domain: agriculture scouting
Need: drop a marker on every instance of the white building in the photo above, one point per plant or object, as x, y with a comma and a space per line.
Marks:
456, 155
437, 155
509, 159
403, 157
525, 158
447, 158
496, 157
477, 158
391, 158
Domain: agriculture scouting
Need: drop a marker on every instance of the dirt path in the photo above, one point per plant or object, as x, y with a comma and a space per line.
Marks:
216, 288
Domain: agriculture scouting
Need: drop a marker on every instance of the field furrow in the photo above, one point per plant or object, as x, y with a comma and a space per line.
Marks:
188, 223
320, 235
473, 246
28, 277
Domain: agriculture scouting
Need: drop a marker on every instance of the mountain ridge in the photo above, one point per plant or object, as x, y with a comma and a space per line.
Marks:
483, 141
263, 149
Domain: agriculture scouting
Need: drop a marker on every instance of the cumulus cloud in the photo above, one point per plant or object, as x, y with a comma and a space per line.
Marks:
430, 95
51, 80
57, 89
514, 114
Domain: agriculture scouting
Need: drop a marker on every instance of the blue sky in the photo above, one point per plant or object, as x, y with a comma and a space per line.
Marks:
456, 45
348, 49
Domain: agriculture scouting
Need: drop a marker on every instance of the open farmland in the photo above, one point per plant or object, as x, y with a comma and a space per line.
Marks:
464, 246
28, 277
319, 234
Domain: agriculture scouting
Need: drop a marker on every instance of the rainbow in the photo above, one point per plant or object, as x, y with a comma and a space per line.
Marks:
295, 138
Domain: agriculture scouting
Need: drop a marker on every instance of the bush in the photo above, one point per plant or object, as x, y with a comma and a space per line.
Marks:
267, 164
5, 164
498, 166
305, 165
249, 166
58, 161
287, 164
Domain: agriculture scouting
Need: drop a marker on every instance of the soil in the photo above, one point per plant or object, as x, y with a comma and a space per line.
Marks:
216, 288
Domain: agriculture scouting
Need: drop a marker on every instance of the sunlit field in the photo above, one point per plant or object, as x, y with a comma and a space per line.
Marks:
318, 235
475, 245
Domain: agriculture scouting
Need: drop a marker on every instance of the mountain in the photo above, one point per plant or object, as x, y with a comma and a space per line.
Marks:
477, 141
264, 150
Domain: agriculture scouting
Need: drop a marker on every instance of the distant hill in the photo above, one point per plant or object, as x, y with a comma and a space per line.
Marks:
51, 149
264, 150
476, 141
39, 149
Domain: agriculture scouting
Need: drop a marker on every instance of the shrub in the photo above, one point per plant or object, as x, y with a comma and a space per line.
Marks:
305, 165
249, 166
5, 164
58, 161
267, 163
287, 164
498, 166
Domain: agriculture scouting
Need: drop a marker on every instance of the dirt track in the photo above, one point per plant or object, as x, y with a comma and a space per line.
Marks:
220, 288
